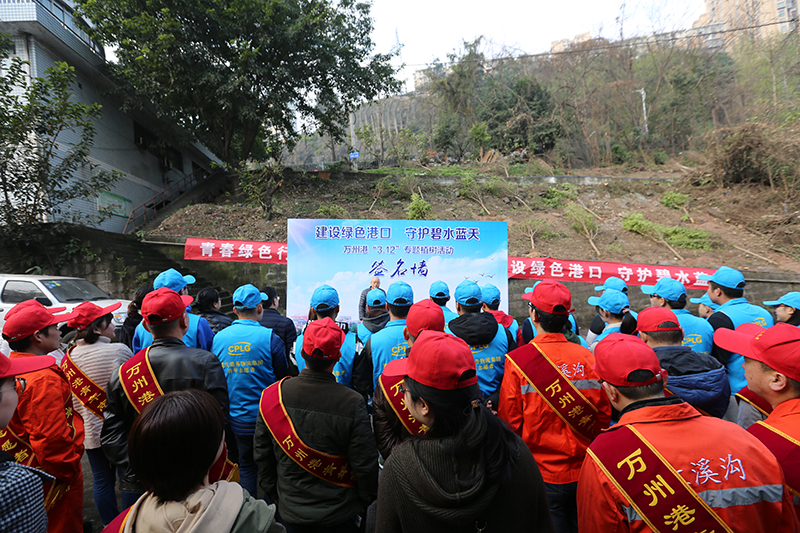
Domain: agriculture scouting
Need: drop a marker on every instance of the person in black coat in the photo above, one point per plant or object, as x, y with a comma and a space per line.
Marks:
282, 326
208, 304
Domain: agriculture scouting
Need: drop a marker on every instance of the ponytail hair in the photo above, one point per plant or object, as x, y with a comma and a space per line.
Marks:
471, 430
629, 323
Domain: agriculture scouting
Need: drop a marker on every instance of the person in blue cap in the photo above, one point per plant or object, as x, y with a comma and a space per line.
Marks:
440, 294
376, 318
253, 358
787, 308
491, 305
598, 324
670, 293
200, 335
488, 340
705, 307
387, 344
325, 304
614, 308
726, 289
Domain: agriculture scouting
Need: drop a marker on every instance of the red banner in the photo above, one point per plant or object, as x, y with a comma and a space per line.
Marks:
235, 251
597, 271
518, 267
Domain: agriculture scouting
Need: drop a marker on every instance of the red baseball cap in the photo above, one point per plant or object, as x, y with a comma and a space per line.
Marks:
439, 360
29, 319
323, 339
657, 319
23, 365
619, 354
164, 305
423, 315
88, 312
778, 346
36, 303
551, 297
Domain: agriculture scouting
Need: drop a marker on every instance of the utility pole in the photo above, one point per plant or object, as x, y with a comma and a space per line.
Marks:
644, 107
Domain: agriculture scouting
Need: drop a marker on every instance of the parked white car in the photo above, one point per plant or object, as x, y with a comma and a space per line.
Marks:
55, 291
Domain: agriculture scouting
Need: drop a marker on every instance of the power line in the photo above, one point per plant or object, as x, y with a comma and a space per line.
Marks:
630, 42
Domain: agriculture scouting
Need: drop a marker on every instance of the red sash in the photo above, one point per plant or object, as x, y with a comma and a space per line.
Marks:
118, 524
141, 387
652, 486
578, 413
391, 391
755, 400
19, 448
89, 393
785, 449
331, 468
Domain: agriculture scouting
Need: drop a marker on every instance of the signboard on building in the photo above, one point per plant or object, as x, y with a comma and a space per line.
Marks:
114, 204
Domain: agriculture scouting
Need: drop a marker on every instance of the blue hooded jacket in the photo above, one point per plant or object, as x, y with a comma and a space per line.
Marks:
699, 379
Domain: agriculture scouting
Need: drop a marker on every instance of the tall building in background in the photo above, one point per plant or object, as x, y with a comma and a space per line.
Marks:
762, 18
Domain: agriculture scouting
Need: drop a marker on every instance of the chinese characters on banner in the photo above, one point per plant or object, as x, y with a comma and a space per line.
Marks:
236, 251
597, 272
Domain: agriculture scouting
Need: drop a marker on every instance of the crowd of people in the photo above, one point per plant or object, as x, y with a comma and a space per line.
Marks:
422, 418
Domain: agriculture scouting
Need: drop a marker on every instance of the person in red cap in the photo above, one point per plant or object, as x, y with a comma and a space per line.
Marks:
58, 353
665, 467
550, 397
469, 472
772, 370
696, 377
165, 366
45, 431
89, 365
22, 504
313, 444
387, 403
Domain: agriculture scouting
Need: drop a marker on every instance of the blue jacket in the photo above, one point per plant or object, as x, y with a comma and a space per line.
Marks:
698, 334
253, 358
608, 330
343, 369
386, 345
369, 326
489, 342
738, 311
699, 379
448, 314
200, 335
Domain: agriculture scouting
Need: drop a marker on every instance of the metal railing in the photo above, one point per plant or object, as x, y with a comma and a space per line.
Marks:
148, 210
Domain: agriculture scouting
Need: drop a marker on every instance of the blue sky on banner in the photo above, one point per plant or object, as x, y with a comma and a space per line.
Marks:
346, 254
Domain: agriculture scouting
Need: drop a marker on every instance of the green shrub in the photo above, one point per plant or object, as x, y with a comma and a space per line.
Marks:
332, 211
690, 238
556, 196
418, 209
674, 200
660, 158
620, 155
495, 185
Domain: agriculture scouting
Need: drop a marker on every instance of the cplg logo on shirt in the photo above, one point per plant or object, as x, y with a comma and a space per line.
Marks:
240, 348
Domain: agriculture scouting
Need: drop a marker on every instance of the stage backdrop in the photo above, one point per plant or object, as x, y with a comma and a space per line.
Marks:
346, 254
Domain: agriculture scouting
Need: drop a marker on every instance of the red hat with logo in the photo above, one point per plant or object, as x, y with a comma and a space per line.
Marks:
778, 346
164, 305
88, 312
423, 315
323, 339
657, 319
438, 360
24, 322
551, 297
619, 354
23, 365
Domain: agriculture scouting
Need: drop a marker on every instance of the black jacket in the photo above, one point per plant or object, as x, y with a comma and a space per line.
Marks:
128, 328
177, 367
282, 326
217, 320
478, 328
329, 418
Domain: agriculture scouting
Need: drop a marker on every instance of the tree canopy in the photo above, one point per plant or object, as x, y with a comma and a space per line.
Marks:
238, 74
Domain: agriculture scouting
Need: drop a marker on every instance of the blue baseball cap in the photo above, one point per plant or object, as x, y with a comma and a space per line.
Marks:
668, 288
490, 294
248, 297
324, 298
791, 299
530, 289
705, 300
612, 301
726, 277
376, 298
439, 289
400, 293
468, 293
172, 279
617, 284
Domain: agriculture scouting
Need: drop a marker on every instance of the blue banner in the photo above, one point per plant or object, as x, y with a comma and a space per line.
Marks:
347, 254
